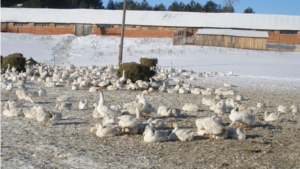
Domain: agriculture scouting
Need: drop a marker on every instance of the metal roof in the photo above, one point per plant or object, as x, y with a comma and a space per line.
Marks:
152, 18
231, 32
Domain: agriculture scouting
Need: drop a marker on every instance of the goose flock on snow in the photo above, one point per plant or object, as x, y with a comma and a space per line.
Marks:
131, 117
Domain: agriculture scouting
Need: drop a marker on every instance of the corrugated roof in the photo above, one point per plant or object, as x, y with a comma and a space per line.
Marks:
231, 32
153, 18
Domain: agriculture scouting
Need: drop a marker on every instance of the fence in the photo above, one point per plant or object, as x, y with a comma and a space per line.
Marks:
179, 37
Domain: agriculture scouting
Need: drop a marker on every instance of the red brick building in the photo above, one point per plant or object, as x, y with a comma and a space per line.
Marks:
162, 24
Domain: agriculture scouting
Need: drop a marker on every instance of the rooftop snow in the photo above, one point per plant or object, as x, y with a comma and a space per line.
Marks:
152, 18
243, 33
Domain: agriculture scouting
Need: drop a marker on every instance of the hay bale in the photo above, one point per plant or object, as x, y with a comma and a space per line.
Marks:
135, 71
31, 62
17, 60
148, 61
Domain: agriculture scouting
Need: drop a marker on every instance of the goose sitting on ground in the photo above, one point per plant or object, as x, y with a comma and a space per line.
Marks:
30, 113
56, 116
242, 117
237, 133
152, 135
181, 134
63, 106
168, 112
14, 104
83, 105
42, 93
294, 109
9, 87
212, 126
106, 130
42, 115
103, 109
75, 87
11, 112
159, 124
130, 122
190, 107
93, 89
282, 109
22, 95
142, 105
260, 104
269, 117
62, 98
95, 113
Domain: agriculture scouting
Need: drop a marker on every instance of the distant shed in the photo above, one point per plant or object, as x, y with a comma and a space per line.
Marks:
242, 39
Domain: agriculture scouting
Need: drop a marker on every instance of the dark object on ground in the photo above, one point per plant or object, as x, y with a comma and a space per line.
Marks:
17, 60
149, 61
135, 71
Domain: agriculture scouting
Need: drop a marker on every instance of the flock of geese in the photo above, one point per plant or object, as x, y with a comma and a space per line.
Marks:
130, 118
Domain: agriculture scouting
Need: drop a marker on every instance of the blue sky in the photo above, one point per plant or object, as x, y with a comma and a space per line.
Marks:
282, 7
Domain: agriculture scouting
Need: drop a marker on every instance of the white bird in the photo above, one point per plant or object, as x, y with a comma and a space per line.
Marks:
83, 105
103, 109
42, 93
152, 135
30, 113
11, 112
181, 134
212, 126
62, 98
123, 78
130, 122
159, 124
9, 87
242, 117
190, 107
282, 109
108, 130
42, 115
56, 116
63, 106
260, 104
237, 133
269, 117
294, 109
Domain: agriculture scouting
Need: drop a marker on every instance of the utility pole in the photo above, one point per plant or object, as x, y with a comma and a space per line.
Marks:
122, 33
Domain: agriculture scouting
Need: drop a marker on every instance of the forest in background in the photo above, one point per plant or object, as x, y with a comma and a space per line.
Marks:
192, 6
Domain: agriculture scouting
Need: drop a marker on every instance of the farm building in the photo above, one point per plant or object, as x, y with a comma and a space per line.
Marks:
243, 39
280, 28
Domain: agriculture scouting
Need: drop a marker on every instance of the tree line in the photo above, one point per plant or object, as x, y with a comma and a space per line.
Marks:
192, 6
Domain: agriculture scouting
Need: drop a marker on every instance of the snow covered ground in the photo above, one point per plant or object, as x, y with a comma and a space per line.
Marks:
103, 50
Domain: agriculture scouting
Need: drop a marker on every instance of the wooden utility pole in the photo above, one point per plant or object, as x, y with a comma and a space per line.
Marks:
122, 34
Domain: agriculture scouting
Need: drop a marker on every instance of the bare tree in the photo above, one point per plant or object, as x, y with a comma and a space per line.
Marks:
230, 2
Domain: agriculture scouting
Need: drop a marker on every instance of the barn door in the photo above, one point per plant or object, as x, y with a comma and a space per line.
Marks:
83, 29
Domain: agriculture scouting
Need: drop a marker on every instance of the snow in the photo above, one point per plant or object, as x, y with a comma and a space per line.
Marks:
152, 18
230, 32
103, 50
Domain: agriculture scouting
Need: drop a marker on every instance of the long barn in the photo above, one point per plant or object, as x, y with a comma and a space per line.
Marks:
280, 28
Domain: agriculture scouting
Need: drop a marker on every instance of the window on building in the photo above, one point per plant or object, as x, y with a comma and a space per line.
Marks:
149, 27
130, 27
171, 28
42, 24
271, 32
20, 24
62, 25
288, 32
106, 26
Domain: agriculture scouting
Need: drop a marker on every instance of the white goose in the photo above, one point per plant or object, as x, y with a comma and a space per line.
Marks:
212, 126
242, 117
181, 134
11, 112
108, 130
83, 105
42, 115
294, 109
159, 124
269, 117
42, 93
168, 112
123, 78
63, 106
152, 135
129, 122
95, 113
103, 109
9, 87
142, 105
283, 108
190, 107
237, 133
30, 113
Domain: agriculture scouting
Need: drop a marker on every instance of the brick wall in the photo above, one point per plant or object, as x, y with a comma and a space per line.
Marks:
130, 31
275, 37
